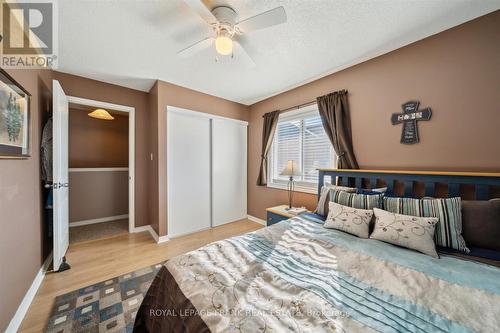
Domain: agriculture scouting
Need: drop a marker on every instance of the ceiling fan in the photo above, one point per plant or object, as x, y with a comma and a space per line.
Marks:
227, 28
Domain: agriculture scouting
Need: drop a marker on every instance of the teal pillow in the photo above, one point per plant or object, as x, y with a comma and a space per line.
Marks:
448, 231
360, 201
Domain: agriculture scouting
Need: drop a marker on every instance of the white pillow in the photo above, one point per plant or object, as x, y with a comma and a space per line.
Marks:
322, 208
416, 233
351, 220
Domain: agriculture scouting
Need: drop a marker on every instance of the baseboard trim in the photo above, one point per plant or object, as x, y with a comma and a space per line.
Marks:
98, 220
142, 228
163, 239
152, 232
193, 232
16, 321
256, 219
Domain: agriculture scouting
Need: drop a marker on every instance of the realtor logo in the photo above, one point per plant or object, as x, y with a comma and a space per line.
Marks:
28, 34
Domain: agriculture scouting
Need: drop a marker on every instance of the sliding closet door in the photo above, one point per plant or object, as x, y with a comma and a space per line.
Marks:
229, 171
188, 170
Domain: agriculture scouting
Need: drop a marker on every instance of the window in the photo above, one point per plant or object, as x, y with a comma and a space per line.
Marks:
300, 136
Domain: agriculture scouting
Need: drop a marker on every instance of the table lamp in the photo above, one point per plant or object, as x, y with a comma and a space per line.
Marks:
291, 169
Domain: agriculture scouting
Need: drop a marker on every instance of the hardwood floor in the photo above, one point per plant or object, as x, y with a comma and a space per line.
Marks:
95, 261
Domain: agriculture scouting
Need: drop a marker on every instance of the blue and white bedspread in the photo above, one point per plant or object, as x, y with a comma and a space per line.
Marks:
297, 276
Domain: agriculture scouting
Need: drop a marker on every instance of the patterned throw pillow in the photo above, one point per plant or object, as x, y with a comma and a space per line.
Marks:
351, 220
416, 233
361, 201
448, 211
322, 208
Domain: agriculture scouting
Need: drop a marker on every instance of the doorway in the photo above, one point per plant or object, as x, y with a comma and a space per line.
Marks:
98, 172
58, 159
100, 165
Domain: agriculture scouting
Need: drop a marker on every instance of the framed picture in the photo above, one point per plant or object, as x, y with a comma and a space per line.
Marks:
14, 118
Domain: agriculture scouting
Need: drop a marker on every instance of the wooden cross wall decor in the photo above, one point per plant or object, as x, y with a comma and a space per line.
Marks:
411, 114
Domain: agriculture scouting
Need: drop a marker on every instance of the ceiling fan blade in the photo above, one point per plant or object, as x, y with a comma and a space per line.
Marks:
196, 47
267, 19
241, 53
199, 7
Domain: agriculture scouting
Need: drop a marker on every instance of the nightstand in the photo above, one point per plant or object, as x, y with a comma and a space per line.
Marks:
277, 214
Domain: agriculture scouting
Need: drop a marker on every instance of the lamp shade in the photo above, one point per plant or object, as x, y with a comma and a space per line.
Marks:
101, 114
291, 169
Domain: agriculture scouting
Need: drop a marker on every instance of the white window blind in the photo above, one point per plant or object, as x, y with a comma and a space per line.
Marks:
300, 136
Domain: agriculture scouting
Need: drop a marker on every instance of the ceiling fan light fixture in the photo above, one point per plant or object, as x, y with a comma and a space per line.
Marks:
101, 114
225, 25
224, 43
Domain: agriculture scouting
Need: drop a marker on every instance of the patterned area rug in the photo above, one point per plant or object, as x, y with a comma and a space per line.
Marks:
107, 306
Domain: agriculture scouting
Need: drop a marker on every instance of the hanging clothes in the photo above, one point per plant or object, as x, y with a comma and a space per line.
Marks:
49, 211
46, 152
46, 161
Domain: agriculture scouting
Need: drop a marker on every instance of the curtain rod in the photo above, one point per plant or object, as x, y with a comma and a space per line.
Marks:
304, 104
299, 106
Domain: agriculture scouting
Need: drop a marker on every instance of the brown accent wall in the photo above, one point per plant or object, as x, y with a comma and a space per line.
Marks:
455, 72
100, 91
152, 158
95, 143
22, 243
99, 194
165, 94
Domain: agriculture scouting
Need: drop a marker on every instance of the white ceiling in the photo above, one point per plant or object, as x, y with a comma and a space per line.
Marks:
134, 42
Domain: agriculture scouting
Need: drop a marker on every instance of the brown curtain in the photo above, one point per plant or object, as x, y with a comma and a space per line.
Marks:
268, 129
336, 119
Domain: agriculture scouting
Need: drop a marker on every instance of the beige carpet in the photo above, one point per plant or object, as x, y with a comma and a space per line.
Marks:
97, 230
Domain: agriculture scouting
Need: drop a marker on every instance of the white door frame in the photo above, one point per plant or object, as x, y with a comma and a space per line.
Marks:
131, 147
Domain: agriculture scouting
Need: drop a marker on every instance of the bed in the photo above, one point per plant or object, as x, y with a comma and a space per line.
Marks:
297, 276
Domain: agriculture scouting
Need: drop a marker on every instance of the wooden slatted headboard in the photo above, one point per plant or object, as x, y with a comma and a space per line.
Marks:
482, 184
